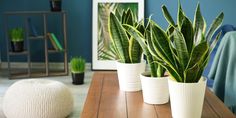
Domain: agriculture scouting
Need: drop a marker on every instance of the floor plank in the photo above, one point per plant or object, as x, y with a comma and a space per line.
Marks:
163, 111
137, 108
113, 104
207, 111
217, 106
93, 99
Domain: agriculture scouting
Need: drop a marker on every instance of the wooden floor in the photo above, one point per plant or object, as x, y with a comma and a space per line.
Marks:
105, 100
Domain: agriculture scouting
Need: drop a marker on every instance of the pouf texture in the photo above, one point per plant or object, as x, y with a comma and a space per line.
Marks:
37, 98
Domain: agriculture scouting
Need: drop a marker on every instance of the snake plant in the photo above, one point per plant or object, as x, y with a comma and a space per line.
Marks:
184, 48
144, 39
127, 48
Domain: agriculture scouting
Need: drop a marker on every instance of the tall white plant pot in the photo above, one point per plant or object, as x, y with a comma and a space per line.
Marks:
187, 98
128, 75
155, 89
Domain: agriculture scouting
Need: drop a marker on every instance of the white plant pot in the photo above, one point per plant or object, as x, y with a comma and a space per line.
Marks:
187, 98
155, 89
128, 75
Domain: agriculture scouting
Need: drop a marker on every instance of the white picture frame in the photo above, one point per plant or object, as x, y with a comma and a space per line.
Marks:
97, 62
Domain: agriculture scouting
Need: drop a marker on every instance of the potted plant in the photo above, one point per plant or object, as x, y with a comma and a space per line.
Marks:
55, 5
154, 83
185, 48
17, 39
77, 65
129, 64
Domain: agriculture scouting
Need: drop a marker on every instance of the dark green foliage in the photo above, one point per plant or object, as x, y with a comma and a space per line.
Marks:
16, 34
77, 65
183, 49
127, 48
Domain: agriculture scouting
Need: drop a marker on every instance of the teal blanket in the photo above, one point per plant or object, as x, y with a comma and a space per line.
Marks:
223, 71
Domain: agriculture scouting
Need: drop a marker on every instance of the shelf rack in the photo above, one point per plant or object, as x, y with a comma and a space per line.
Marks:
27, 52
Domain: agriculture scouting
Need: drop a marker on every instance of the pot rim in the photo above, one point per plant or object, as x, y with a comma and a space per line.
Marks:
77, 72
147, 73
141, 62
201, 80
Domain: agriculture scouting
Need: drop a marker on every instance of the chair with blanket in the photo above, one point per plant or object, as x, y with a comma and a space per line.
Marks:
223, 71
223, 29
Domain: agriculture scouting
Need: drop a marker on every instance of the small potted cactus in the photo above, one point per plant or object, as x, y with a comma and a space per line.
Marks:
77, 66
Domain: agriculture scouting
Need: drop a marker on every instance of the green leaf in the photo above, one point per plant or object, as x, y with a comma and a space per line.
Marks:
161, 44
127, 17
214, 26
118, 15
180, 15
173, 73
181, 48
205, 59
153, 66
199, 21
141, 28
170, 29
213, 44
191, 73
167, 16
187, 31
198, 37
199, 74
119, 38
135, 51
160, 71
198, 52
123, 17
201, 63
151, 48
138, 36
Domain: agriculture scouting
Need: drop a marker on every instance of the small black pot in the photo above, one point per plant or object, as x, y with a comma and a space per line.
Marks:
17, 46
77, 78
55, 5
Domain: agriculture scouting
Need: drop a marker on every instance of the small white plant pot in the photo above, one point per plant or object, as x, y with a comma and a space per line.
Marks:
155, 89
187, 98
128, 75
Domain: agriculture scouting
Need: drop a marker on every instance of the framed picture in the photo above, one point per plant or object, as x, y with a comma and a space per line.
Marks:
103, 55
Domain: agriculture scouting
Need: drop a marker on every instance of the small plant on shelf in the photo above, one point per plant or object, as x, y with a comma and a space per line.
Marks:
55, 5
17, 39
77, 65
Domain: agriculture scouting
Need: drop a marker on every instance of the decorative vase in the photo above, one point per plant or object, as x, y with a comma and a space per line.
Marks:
55, 5
17, 46
129, 75
155, 89
77, 78
187, 98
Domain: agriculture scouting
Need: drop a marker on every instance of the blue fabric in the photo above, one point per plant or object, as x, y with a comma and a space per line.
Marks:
223, 29
223, 71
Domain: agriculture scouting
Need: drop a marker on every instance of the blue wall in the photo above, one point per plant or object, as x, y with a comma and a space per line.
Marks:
79, 18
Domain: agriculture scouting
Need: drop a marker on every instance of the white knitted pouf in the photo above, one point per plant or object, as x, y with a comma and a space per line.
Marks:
37, 98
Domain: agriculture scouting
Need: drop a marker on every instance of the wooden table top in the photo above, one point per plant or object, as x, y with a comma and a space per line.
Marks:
105, 100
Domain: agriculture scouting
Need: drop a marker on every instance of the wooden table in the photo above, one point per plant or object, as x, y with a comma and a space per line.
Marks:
105, 100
